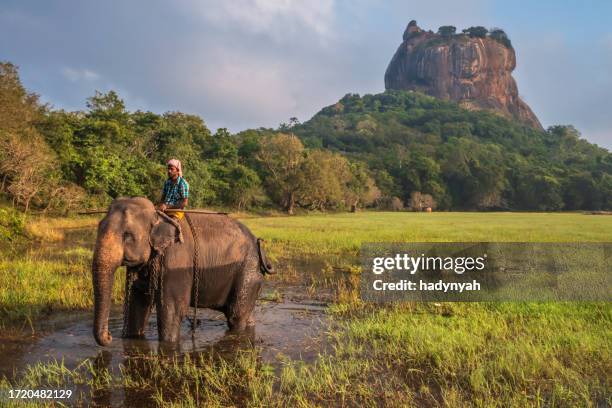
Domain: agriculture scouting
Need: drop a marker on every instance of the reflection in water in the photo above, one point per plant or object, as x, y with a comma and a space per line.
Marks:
135, 362
103, 360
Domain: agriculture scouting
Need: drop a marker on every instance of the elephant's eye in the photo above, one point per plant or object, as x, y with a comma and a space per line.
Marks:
128, 237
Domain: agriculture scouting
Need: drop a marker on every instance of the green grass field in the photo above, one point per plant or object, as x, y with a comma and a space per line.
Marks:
407, 354
344, 233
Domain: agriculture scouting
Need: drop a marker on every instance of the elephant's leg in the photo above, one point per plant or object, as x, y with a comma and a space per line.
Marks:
139, 309
169, 318
239, 312
172, 305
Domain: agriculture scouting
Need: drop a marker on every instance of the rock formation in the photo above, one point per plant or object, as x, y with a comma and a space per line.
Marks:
473, 69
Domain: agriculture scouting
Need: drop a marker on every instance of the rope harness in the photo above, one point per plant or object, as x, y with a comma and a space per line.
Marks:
154, 268
196, 275
156, 272
129, 280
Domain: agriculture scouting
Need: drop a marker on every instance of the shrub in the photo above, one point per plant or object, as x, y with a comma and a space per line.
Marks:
12, 225
388, 203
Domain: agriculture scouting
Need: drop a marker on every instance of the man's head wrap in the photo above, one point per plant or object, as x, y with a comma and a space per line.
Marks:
176, 163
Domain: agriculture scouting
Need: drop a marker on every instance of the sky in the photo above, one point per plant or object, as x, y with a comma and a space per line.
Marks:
251, 63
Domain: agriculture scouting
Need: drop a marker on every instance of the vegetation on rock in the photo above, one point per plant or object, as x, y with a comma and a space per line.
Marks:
464, 159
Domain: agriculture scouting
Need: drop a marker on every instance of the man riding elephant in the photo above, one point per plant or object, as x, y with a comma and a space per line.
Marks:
175, 193
216, 263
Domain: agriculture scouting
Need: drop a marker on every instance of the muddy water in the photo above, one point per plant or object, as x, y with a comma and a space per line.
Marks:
291, 327
290, 320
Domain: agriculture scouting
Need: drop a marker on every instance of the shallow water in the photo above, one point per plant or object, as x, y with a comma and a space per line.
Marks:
290, 327
290, 320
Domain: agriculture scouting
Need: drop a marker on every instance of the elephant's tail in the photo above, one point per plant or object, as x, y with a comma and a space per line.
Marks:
265, 266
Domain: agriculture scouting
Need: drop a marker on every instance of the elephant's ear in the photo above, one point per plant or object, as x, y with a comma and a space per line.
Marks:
164, 232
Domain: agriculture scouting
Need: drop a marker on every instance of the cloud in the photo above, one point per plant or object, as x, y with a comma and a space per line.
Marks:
280, 19
76, 75
257, 63
250, 63
240, 85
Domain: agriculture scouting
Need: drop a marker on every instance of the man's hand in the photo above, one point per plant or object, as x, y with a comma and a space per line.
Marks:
162, 207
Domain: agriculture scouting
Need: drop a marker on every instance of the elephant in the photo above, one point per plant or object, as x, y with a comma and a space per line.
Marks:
161, 257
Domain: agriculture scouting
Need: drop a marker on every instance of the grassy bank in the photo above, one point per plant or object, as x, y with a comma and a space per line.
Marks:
448, 354
342, 234
489, 355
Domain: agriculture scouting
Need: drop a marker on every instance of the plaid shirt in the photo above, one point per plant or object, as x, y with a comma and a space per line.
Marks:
175, 192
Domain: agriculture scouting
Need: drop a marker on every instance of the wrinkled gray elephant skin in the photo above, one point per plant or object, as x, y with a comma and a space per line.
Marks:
135, 235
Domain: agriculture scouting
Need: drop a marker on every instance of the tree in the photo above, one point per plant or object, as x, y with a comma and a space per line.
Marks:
477, 31
325, 176
447, 31
398, 142
107, 106
282, 156
536, 189
27, 164
361, 188
500, 36
416, 201
19, 109
474, 173
580, 192
65, 197
244, 187
222, 148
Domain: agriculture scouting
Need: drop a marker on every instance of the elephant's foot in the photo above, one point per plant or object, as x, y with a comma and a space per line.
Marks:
170, 333
236, 325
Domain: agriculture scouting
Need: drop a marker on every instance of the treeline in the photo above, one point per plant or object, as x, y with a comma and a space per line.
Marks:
390, 150
463, 159
58, 160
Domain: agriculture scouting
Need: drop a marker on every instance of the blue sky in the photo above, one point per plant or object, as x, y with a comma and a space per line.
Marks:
251, 63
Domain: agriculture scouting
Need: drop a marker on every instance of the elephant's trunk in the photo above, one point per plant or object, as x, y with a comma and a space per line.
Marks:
107, 258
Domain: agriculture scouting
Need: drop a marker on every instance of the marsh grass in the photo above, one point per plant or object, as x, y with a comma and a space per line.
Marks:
406, 354
487, 354
33, 286
490, 355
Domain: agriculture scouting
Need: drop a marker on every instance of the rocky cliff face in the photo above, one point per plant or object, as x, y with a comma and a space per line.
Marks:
474, 71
